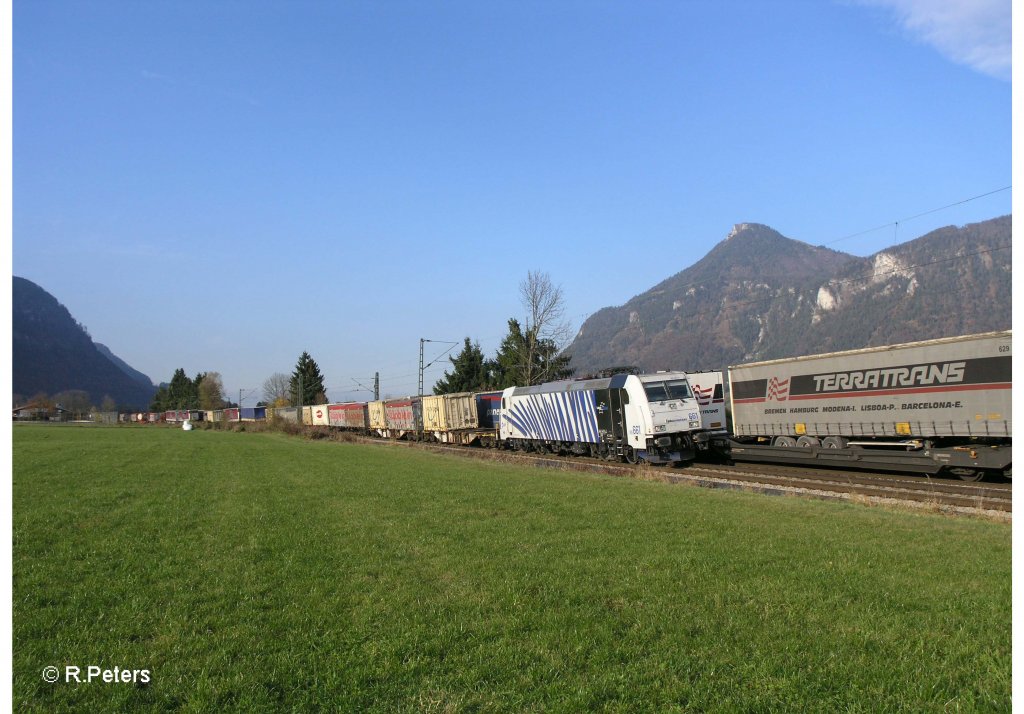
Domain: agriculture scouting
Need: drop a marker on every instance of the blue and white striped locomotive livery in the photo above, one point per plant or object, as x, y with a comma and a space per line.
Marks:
555, 415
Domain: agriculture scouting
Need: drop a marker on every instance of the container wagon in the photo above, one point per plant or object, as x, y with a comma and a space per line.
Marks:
937, 405
403, 418
479, 418
377, 418
462, 418
287, 414
351, 415
318, 415
435, 416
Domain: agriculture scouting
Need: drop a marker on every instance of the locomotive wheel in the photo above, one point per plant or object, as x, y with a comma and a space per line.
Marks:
968, 474
630, 455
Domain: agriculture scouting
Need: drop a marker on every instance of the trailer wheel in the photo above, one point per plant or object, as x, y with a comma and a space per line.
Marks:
968, 474
834, 442
783, 441
807, 442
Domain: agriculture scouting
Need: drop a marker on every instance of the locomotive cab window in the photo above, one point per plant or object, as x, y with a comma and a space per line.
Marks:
665, 391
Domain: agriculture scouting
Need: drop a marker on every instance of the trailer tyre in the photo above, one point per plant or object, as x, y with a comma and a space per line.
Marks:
783, 441
834, 442
806, 442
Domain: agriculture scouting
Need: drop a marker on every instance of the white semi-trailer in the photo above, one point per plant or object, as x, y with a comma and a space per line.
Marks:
923, 406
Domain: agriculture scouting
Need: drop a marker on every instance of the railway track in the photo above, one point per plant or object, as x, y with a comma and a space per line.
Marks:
940, 494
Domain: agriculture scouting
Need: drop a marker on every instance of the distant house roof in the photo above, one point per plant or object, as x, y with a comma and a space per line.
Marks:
37, 407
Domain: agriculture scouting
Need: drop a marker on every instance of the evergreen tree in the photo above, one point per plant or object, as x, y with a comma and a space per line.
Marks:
524, 359
307, 383
470, 372
511, 354
181, 393
159, 400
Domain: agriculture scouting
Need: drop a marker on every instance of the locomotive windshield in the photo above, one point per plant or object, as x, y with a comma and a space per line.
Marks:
664, 391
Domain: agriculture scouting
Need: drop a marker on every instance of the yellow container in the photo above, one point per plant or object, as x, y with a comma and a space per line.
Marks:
461, 411
376, 414
435, 417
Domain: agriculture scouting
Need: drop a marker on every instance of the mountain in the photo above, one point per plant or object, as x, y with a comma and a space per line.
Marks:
759, 295
53, 353
135, 374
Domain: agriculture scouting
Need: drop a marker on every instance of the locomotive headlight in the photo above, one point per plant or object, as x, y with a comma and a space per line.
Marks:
660, 427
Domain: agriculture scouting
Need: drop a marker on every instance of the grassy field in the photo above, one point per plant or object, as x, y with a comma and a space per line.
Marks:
260, 572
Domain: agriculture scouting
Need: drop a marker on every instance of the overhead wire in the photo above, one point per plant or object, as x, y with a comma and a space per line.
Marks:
896, 223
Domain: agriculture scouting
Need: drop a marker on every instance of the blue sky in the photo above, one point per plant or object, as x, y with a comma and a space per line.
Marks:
220, 186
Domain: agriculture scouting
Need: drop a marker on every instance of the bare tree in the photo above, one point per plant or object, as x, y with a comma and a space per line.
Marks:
277, 390
532, 355
75, 401
545, 307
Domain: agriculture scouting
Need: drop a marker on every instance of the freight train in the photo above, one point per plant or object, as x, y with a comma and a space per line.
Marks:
928, 407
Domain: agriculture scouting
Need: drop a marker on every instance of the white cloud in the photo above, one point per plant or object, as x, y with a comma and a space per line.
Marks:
976, 33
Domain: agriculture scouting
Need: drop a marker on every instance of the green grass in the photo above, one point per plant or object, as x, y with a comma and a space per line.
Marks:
259, 572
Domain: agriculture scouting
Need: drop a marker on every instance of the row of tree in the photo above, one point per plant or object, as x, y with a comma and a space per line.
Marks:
205, 391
